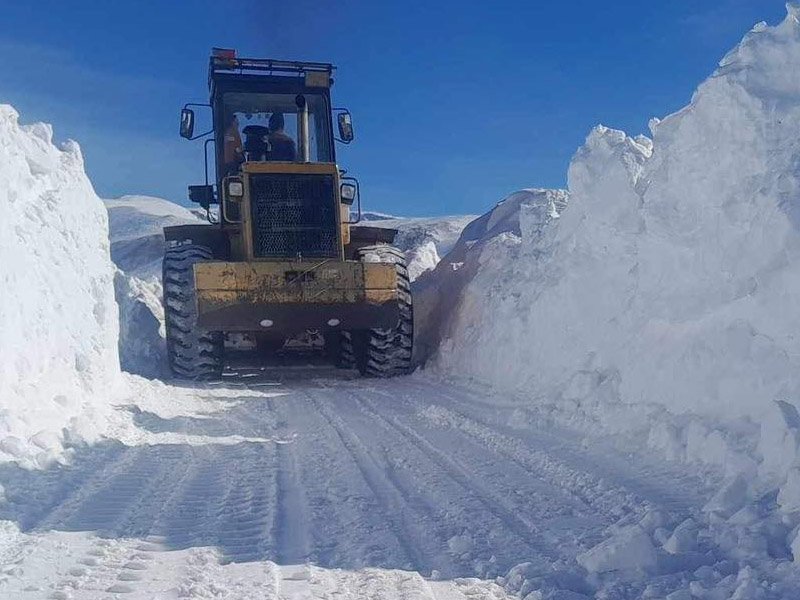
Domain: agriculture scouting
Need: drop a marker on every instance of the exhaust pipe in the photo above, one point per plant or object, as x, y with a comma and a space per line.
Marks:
302, 128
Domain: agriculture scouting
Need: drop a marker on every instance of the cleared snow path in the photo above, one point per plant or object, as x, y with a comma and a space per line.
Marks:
303, 488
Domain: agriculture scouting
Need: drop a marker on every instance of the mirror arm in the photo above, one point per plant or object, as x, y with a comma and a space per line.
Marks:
197, 137
205, 155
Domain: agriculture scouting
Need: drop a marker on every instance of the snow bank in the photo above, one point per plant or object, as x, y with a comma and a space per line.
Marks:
137, 248
662, 302
437, 292
58, 318
675, 270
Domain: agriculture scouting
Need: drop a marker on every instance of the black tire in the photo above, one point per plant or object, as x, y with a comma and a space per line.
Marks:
193, 353
385, 352
339, 349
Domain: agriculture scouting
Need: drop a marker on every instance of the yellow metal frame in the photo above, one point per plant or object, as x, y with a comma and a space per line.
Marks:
266, 283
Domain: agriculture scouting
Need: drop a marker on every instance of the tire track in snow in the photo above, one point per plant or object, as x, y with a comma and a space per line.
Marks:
290, 526
244, 520
448, 512
607, 466
290, 534
160, 471
419, 548
346, 525
127, 504
577, 487
185, 516
495, 503
81, 492
230, 500
41, 502
558, 502
445, 511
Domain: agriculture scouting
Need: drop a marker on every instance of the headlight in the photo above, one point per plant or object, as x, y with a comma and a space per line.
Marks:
348, 193
235, 189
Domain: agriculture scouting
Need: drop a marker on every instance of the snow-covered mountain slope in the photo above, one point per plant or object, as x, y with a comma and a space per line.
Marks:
58, 318
136, 229
660, 305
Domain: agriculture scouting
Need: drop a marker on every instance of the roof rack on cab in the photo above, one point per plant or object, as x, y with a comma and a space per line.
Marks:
225, 60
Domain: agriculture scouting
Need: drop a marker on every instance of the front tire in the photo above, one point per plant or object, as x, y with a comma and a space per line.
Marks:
193, 353
385, 352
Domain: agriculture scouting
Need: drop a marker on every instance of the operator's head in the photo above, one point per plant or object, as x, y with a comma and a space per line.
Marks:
276, 122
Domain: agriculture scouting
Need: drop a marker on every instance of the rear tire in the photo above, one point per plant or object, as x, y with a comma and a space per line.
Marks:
339, 346
193, 353
385, 352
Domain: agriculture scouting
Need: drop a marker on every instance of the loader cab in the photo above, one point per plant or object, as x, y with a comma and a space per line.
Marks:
280, 192
248, 97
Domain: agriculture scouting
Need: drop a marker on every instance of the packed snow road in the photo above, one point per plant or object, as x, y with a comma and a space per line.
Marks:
303, 488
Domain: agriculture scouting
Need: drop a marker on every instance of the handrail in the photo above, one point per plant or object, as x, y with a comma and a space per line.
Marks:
217, 63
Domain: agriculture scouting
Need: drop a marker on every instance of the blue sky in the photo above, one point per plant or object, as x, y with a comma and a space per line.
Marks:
455, 104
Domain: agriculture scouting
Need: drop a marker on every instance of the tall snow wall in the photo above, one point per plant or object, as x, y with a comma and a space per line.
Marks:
58, 318
673, 276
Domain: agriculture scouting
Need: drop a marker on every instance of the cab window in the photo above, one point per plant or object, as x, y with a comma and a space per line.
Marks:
264, 127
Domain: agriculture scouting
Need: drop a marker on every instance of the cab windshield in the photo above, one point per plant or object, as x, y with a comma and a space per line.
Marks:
266, 127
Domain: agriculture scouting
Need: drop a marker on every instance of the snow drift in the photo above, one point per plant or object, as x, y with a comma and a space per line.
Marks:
674, 271
664, 297
660, 308
58, 318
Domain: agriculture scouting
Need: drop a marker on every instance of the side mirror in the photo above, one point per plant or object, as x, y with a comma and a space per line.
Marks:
187, 123
345, 121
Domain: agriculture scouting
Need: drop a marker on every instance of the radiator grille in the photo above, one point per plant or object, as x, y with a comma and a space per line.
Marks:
293, 216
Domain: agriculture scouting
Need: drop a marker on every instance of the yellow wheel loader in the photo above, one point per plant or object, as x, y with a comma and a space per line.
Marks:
282, 266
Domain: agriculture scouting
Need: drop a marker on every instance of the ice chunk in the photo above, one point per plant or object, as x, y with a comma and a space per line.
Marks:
780, 438
683, 539
460, 544
729, 498
629, 548
789, 494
